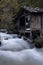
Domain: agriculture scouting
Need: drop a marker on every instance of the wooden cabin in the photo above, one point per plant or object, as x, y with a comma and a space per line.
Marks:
30, 21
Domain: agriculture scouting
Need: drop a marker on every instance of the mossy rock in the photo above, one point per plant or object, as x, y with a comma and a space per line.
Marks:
38, 45
39, 42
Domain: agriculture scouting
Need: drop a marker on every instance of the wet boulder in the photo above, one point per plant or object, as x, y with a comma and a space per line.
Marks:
0, 43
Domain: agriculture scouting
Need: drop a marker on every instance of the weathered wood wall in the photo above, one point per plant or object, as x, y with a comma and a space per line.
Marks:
35, 22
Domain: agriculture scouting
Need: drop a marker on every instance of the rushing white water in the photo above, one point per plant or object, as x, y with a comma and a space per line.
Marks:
4, 36
14, 44
23, 55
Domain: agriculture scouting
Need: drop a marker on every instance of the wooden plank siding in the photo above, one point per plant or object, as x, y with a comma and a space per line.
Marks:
35, 22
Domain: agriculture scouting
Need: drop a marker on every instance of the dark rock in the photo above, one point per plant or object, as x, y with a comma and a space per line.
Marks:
0, 43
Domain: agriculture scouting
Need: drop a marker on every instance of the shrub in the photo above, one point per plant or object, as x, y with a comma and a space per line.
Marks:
39, 42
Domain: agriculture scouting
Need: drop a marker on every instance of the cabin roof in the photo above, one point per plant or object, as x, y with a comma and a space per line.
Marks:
31, 9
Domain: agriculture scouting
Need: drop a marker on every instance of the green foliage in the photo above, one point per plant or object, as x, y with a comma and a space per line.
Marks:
8, 10
33, 3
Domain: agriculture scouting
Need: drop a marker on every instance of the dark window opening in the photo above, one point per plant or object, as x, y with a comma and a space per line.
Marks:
28, 21
22, 22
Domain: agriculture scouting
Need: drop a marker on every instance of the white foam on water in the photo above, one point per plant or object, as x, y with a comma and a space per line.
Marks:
25, 56
14, 44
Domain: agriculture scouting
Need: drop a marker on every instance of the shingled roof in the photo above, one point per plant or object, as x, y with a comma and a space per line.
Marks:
31, 9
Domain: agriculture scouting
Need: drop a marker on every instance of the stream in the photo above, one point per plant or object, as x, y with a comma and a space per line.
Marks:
16, 51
